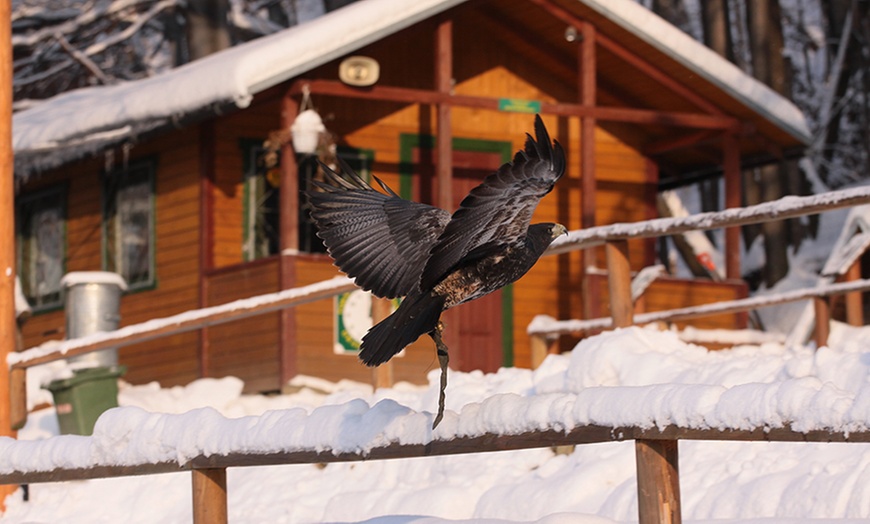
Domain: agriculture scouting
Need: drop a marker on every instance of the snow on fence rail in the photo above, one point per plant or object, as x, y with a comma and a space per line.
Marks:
206, 443
786, 207
543, 326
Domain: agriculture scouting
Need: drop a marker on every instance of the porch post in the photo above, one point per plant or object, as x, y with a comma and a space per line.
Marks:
444, 141
289, 241
733, 198
587, 94
7, 227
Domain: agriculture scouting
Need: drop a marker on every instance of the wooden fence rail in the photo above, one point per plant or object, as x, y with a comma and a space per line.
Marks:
657, 478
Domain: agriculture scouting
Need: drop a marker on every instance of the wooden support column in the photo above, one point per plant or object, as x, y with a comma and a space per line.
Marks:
619, 283
444, 141
586, 67
854, 301
210, 496
8, 325
658, 482
733, 198
289, 240
822, 306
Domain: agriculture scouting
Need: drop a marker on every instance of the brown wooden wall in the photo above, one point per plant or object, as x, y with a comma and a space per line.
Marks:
671, 293
248, 349
171, 360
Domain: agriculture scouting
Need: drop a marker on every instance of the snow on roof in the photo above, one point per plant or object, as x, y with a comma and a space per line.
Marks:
83, 121
670, 40
88, 119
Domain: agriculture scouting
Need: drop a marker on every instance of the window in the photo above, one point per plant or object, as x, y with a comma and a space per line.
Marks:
262, 209
41, 246
128, 224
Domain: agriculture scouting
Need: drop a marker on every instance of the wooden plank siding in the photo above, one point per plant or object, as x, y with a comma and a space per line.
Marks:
170, 360
249, 348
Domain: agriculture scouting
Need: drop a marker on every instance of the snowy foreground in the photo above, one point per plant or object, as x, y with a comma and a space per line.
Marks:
631, 376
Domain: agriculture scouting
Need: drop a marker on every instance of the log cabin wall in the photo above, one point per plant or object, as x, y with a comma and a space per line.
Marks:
171, 360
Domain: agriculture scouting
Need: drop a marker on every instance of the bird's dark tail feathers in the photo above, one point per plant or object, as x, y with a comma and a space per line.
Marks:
417, 315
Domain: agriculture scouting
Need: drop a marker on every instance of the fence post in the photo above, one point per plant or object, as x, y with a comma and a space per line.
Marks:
822, 306
210, 496
17, 397
658, 482
619, 283
381, 309
854, 300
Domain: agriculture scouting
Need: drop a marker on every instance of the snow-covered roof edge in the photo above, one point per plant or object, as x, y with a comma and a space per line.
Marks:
670, 40
79, 122
82, 119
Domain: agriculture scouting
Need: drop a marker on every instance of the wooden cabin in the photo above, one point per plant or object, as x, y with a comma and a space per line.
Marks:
187, 184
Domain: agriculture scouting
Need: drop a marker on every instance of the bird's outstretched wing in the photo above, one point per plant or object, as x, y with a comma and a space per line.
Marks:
380, 240
500, 207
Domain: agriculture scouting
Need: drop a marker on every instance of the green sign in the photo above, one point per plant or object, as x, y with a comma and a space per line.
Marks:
518, 105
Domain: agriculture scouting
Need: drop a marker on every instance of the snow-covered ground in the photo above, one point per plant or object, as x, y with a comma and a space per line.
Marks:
721, 481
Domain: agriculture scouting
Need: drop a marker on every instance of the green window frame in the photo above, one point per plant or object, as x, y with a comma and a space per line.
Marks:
129, 218
41, 246
261, 193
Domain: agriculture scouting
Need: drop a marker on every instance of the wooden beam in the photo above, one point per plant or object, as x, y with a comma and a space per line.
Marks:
658, 482
288, 243
8, 324
609, 114
679, 142
383, 374
469, 444
854, 300
822, 307
444, 86
18, 398
210, 496
587, 96
565, 327
632, 59
289, 191
733, 199
619, 283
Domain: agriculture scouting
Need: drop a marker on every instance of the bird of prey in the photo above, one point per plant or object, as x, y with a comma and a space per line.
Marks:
398, 248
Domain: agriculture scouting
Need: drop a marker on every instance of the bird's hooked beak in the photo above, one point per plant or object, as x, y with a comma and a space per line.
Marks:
559, 230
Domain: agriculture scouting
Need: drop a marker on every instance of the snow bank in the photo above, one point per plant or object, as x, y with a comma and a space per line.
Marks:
629, 377
637, 376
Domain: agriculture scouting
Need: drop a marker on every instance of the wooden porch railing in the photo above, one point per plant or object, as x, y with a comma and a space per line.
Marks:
656, 449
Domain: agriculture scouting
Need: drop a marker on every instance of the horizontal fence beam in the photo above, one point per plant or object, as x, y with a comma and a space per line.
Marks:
787, 207
564, 327
461, 445
187, 321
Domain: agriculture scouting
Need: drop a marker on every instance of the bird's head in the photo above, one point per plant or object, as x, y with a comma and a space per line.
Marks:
557, 230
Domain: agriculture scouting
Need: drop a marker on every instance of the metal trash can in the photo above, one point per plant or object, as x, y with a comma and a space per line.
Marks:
92, 302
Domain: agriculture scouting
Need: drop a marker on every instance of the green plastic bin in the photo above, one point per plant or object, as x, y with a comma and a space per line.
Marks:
82, 398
